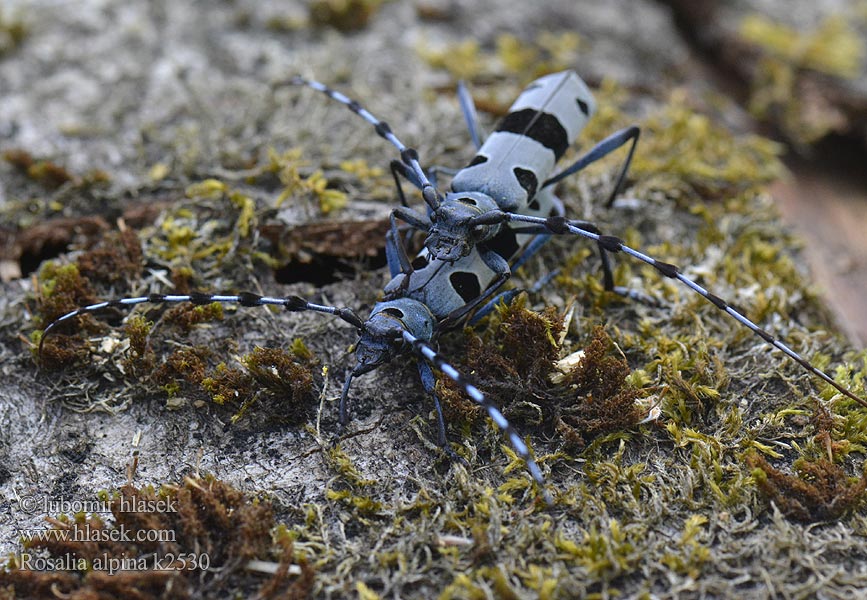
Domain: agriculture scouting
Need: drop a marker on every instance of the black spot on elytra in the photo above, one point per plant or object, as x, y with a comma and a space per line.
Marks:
466, 285
540, 126
527, 180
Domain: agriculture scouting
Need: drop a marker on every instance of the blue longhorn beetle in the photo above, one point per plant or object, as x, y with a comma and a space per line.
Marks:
500, 187
411, 316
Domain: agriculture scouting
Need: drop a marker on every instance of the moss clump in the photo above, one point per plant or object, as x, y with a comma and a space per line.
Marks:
313, 188
280, 371
463, 60
116, 258
281, 377
187, 364
547, 53
208, 534
819, 491
510, 364
186, 316
215, 225
596, 397
227, 385
60, 351
515, 364
685, 155
834, 47
521, 60
117, 262
62, 290
343, 15
692, 555
50, 174
13, 32
141, 357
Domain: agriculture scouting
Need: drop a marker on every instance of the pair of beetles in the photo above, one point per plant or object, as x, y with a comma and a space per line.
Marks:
499, 211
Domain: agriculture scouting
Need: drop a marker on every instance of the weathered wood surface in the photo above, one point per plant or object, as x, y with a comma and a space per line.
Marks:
162, 95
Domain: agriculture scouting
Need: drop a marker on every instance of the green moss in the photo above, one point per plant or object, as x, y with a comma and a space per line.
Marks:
13, 31
547, 53
683, 154
834, 47
343, 15
691, 555
141, 358
215, 224
306, 188
461, 60
360, 168
521, 60
46, 172
186, 316
363, 506
342, 464
786, 55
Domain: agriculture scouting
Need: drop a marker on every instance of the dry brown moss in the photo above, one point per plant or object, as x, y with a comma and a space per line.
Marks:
818, 491
50, 174
343, 15
46, 172
208, 533
186, 316
510, 363
283, 378
597, 398
116, 259
185, 364
513, 364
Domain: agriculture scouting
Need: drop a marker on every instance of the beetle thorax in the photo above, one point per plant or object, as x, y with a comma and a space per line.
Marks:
381, 338
453, 234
